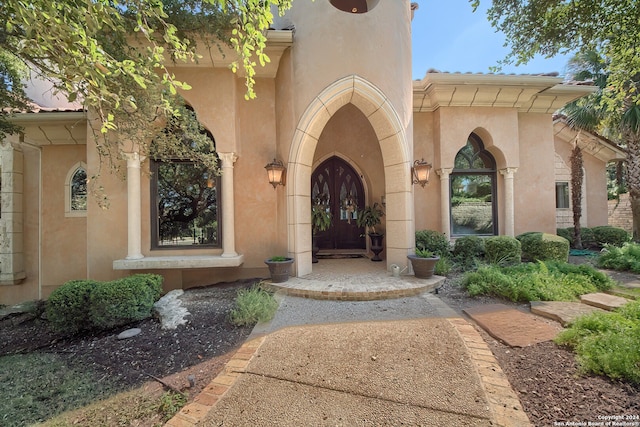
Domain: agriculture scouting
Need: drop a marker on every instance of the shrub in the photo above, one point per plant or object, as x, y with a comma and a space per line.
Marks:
123, 301
586, 236
468, 248
503, 250
607, 343
608, 235
564, 232
434, 241
443, 266
626, 258
252, 306
67, 309
538, 246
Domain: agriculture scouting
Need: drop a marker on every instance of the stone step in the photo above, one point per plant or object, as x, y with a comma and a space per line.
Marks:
632, 294
561, 311
604, 301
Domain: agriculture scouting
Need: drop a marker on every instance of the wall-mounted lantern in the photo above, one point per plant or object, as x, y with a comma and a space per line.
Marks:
276, 173
421, 171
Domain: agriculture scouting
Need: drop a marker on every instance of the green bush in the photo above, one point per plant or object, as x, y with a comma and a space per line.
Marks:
252, 306
468, 248
123, 301
503, 250
564, 232
67, 309
541, 281
538, 246
443, 267
586, 236
434, 241
607, 343
608, 235
626, 258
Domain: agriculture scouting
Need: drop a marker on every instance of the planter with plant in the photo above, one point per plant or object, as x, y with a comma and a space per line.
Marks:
320, 221
423, 263
368, 218
280, 268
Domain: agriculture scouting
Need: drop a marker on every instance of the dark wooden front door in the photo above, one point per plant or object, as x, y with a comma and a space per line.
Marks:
337, 184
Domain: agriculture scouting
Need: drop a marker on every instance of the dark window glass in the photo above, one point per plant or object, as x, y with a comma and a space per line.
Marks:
79, 190
562, 195
473, 189
186, 206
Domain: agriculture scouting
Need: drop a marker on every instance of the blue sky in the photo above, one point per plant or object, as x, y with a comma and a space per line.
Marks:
448, 36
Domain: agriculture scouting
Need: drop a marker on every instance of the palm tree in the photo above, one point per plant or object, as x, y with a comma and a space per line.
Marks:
599, 113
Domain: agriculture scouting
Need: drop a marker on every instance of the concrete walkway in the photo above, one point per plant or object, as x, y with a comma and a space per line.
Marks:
403, 361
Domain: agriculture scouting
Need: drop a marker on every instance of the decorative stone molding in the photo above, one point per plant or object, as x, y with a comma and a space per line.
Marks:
12, 270
445, 206
134, 217
509, 210
228, 210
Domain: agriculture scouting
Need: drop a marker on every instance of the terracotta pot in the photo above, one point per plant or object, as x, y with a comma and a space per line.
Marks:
279, 269
423, 267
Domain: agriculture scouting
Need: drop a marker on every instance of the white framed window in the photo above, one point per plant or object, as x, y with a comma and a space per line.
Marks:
75, 194
562, 195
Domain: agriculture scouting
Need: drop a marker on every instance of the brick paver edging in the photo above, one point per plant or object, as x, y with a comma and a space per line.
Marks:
195, 411
503, 401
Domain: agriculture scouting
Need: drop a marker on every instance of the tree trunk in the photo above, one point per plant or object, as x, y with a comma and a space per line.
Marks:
577, 177
633, 178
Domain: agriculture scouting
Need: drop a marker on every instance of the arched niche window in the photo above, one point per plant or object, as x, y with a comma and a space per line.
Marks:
473, 191
76, 191
185, 204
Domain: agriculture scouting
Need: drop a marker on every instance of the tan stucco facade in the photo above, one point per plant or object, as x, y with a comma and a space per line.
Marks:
337, 87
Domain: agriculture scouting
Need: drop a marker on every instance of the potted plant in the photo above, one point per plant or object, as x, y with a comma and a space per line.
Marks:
423, 263
368, 218
320, 221
279, 267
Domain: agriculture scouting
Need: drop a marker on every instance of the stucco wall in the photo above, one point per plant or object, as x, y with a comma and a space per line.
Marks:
428, 199
64, 239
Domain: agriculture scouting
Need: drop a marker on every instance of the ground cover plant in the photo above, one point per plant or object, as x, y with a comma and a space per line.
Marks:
607, 343
252, 306
541, 281
625, 258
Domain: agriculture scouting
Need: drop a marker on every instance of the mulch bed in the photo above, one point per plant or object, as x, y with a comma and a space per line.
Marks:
545, 376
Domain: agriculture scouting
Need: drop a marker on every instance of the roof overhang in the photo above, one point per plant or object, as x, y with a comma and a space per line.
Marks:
527, 93
592, 143
53, 128
221, 55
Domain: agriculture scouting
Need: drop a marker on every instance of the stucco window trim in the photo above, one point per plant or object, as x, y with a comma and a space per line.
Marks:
178, 262
68, 212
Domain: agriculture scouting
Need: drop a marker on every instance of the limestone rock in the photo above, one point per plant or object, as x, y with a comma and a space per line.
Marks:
129, 333
170, 310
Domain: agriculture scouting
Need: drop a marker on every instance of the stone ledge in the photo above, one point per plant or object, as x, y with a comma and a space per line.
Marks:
178, 262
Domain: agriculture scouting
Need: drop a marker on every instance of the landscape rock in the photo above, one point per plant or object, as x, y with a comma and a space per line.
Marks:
170, 310
129, 333
561, 311
604, 301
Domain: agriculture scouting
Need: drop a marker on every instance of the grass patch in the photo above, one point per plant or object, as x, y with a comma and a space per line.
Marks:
38, 386
132, 408
252, 306
607, 343
541, 281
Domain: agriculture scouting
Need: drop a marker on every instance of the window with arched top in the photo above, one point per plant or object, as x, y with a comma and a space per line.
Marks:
473, 191
186, 210
76, 191
354, 6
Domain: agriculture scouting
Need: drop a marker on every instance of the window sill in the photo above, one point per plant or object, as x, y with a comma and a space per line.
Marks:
178, 262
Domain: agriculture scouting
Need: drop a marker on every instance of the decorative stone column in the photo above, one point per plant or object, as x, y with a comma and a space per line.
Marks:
509, 215
134, 227
12, 270
228, 210
445, 206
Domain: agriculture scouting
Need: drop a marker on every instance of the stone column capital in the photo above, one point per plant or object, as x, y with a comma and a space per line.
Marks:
508, 172
444, 173
134, 159
227, 159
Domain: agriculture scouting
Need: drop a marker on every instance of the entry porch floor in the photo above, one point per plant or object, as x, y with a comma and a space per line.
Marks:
354, 279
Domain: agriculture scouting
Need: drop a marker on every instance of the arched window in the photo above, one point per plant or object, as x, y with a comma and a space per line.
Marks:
185, 204
473, 191
76, 191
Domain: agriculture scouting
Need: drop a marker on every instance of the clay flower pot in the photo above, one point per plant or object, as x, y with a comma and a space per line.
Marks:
280, 268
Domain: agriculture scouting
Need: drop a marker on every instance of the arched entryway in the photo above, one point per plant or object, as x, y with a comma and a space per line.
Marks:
391, 133
337, 185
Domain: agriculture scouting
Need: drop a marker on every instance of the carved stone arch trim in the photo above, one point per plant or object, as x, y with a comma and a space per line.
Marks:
396, 158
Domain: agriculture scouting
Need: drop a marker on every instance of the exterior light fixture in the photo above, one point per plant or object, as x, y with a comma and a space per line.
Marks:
420, 172
276, 173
